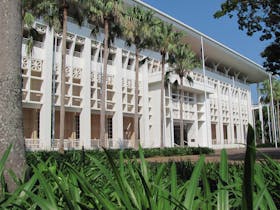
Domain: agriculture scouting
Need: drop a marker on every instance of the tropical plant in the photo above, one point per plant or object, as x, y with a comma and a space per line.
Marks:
119, 183
11, 129
166, 39
55, 13
104, 14
138, 31
183, 61
266, 96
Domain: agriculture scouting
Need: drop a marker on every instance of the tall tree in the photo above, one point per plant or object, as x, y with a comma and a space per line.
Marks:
266, 96
55, 13
166, 39
184, 60
11, 117
104, 14
261, 17
137, 30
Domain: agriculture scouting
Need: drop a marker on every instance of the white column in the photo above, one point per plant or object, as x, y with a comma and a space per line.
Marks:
171, 116
261, 119
208, 142
269, 123
230, 128
273, 113
242, 134
45, 113
144, 120
249, 105
196, 123
85, 115
220, 115
118, 116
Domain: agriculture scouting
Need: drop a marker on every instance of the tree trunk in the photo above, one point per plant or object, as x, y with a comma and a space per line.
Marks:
162, 98
181, 112
62, 81
136, 98
11, 117
104, 82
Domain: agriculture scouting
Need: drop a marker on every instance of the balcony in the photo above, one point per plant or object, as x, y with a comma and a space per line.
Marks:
69, 144
112, 143
32, 144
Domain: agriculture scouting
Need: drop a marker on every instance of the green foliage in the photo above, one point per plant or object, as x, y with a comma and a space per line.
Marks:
249, 169
266, 93
166, 38
267, 145
223, 194
99, 11
138, 26
120, 183
77, 157
258, 17
183, 60
51, 11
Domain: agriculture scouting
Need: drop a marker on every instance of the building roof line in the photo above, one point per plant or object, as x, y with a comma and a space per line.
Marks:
199, 33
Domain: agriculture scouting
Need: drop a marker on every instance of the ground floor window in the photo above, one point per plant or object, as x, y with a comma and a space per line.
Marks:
235, 132
110, 127
214, 133
245, 131
31, 123
77, 126
225, 130
177, 134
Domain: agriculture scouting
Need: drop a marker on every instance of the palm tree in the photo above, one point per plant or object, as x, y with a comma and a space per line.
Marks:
55, 12
166, 39
11, 118
266, 96
104, 14
183, 61
137, 30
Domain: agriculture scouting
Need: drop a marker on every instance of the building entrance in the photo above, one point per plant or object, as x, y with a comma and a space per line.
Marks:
187, 127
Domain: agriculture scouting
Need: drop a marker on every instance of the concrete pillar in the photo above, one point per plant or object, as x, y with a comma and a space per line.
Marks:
230, 103
241, 136
118, 115
85, 115
220, 116
45, 113
144, 120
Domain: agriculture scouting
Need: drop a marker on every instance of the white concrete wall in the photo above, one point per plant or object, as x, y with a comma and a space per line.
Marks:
150, 77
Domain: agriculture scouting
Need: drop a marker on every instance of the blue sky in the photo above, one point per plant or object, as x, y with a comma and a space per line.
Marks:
199, 15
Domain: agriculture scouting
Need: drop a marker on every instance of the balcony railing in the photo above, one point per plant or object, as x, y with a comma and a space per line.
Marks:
113, 143
32, 144
71, 144
68, 144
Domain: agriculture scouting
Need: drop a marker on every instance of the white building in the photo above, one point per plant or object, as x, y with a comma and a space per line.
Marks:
217, 106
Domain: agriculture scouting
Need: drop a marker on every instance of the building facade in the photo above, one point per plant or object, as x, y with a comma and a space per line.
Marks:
217, 106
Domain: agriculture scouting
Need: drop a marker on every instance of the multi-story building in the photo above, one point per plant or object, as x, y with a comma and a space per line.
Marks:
216, 110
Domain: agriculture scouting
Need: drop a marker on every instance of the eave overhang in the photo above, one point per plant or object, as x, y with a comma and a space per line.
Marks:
214, 50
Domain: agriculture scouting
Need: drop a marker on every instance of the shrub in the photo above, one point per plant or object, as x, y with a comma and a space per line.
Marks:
105, 183
267, 145
76, 157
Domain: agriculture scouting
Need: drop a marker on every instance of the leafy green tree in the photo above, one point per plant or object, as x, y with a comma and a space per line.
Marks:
55, 13
266, 93
266, 96
11, 119
261, 17
166, 39
184, 60
138, 31
104, 14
